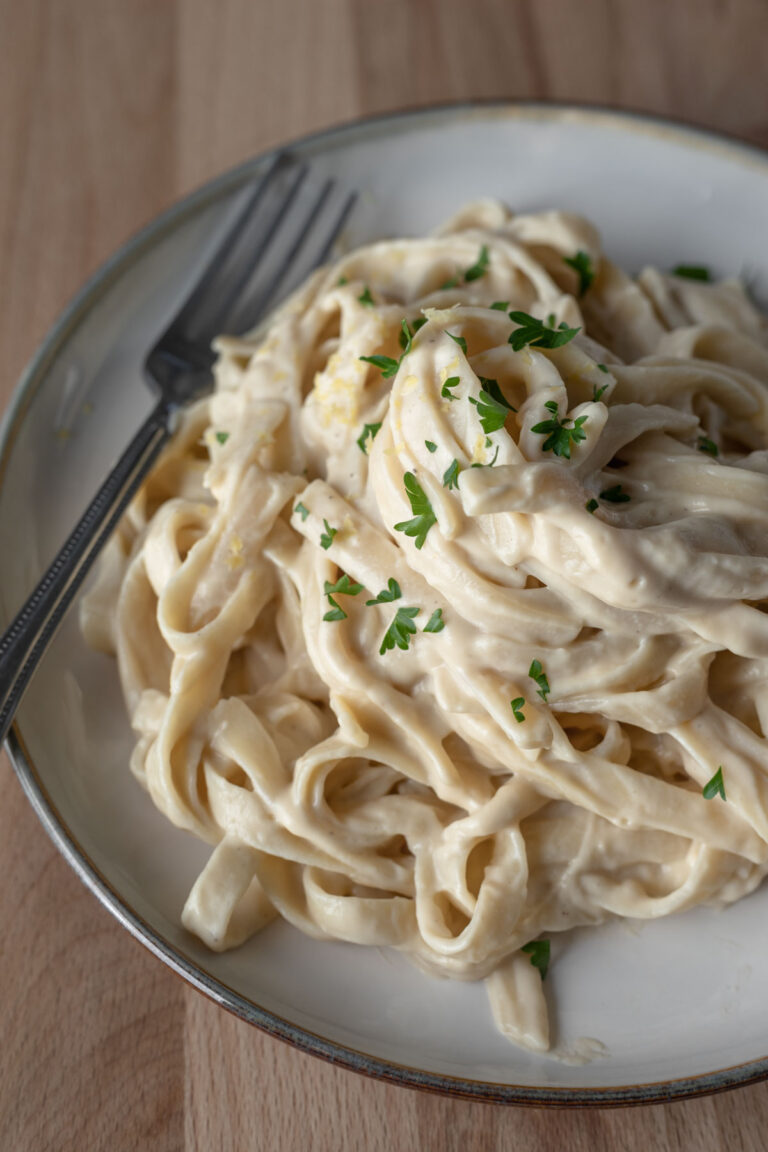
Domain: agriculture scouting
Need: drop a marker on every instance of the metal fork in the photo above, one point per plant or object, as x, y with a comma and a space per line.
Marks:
286, 228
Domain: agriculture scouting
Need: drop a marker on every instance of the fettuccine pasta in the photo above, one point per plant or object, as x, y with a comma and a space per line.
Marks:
444, 619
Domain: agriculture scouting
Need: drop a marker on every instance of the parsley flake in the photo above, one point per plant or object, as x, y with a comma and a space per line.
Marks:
602, 367
430, 446
302, 510
451, 475
538, 950
423, 515
500, 305
492, 406
591, 505
537, 333
452, 283
597, 392
222, 437
715, 786
386, 365
365, 296
559, 435
615, 495
537, 674
369, 430
342, 280
582, 265
435, 622
693, 272
459, 340
400, 630
451, 382
708, 446
343, 586
480, 267
326, 539
517, 708
387, 595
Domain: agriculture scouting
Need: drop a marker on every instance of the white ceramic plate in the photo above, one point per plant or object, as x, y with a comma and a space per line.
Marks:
681, 1005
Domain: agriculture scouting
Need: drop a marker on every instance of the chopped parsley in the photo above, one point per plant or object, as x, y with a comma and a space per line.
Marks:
453, 282
459, 340
500, 305
537, 674
538, 950
480, 267
492, 406
423, 515
490, 463
302, 510
430, 446
222, 437
591, 505
693, 272
715, 786
326, 538
537, 333
365, 296
451, 382
582, 265
343, 587
435, 622
615, 495
517, 708
559, 435
708, 446
369, 430
400, 630
451, 475
387, 595
387, 365
342, 280
602, 367
597, 392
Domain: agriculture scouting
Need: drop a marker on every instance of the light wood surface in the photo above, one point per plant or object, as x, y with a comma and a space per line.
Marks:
109, 110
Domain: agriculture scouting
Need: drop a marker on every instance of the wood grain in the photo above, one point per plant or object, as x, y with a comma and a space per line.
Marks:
110, 110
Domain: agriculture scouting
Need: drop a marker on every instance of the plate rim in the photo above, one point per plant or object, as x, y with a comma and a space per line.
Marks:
67, 321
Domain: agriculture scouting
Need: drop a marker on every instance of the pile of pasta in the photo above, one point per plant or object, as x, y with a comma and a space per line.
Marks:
443, 619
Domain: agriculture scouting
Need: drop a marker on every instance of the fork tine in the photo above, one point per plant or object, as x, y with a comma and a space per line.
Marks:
295, 265
205, 309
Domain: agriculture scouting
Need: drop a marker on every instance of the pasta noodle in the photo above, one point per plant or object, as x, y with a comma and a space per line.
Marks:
443, 620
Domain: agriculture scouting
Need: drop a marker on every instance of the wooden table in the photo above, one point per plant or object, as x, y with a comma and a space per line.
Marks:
110, 109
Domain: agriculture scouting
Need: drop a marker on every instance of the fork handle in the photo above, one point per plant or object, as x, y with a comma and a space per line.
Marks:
30, 633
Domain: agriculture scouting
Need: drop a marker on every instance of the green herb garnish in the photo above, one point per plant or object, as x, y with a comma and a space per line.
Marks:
538, 950
400, 630
500, 305
715, 786
693, 272
480, 267
430, 446
369, 430
597, 392
387, 595
602, 367
591, 505
387, 365
615, 495
708, 446
365, 296
537, 674
326, 538
341, 281
423, 515
451, 382
222, 437
537, 333
435, 622
517, 705
302, 510
582, 265
459, 340
559, 435
344, 587
492, 406
452, 283
451, 475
